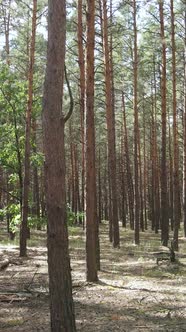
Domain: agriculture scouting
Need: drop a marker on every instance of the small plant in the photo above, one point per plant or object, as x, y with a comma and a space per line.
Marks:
73, 217
35, 222
13, 210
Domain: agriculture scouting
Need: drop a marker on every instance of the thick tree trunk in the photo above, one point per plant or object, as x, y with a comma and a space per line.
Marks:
100, 214
105, 181
156, 160
123, 196
140, 187
136, 134
129, 179
60, 284
152, 153
91, 199
184, 140
82, 97
154, 166
164, 210
110, 129
77, 192
171, 189
176, 184
144, 170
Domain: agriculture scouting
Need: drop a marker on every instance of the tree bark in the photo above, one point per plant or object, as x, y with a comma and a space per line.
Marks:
164, 210
170, 182
176, 184
129, 180
184, 139
60, 284
136, 133
110, 116
36, 191
156, 159
24, 226
144, 170
91, 199
82, 97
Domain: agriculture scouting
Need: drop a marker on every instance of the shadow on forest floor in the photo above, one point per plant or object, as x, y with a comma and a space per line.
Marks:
133, 292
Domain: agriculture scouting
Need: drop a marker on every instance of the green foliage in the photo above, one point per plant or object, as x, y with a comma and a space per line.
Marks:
13, 210
37, 159
72, 217
12, 107
34, 221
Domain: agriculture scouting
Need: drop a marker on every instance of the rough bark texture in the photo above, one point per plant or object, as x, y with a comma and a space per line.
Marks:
129, 180
60, 284
36, 192
82, 95
170, 182
136, 134
175, 136
91, 199
123, 196
156, 161
154, 167
24, 230
184, 140
140, 186
144, 169
110, 129
164, 211
100, 214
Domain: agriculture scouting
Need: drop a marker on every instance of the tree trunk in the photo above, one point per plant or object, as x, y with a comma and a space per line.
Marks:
176, 184
99, 188
144, 169
136, 133
171, 188
153, 161
76, 169
72, 167
82, 97
140, 186
156, 160
184, 140
110, 129
24, 226
129, 180
60, 284
122, 172
164, 210
91, 199
36, 193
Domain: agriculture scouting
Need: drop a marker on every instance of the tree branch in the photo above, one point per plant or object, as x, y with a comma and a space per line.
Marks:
68, 115
7, 192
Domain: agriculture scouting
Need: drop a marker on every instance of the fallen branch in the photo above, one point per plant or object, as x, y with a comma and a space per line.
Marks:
11, 298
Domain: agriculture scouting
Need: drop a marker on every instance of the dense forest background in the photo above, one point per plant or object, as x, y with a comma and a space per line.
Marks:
140, 114
93, 135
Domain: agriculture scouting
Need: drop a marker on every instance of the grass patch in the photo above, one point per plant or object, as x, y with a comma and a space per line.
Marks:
15, 322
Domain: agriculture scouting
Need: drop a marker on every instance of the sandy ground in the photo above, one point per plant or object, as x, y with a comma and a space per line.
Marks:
133, 293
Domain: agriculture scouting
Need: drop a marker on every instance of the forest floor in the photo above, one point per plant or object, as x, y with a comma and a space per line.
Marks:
133, 292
